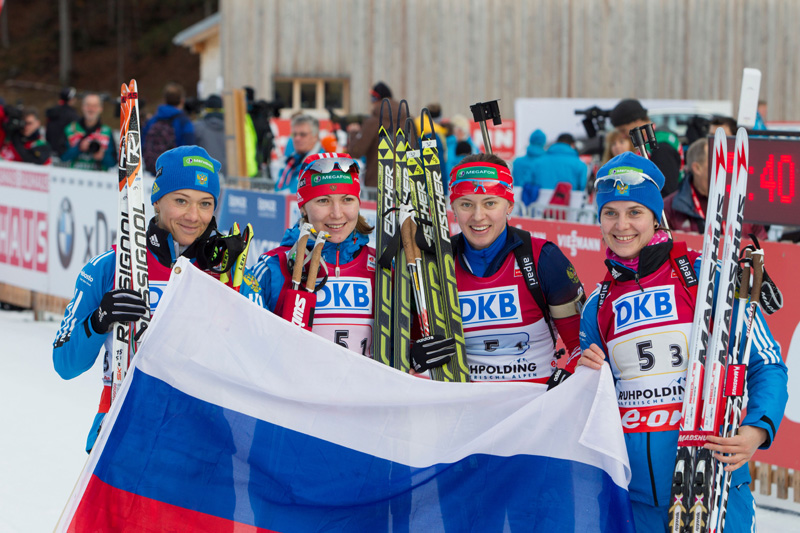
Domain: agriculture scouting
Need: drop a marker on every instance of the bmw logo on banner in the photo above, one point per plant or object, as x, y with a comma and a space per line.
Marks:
66, 232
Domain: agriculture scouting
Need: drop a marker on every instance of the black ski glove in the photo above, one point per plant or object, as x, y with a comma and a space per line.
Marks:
119, 305
432, 352
557, 377
219, 252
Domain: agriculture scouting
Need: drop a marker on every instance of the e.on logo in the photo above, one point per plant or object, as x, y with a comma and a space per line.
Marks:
23, 238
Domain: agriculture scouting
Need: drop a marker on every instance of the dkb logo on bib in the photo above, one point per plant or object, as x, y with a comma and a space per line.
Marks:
492, 306
346, 294
653, 306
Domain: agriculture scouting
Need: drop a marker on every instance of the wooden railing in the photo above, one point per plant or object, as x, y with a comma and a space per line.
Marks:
782, 477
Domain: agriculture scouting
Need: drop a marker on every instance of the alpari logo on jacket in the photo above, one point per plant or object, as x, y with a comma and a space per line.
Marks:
653, 306
346, 294
65, 232
490, 306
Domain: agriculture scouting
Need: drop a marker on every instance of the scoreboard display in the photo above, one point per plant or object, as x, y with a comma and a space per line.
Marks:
771, 193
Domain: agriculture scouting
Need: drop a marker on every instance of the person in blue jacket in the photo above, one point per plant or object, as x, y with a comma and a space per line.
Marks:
523, 165
184, 197
560, 163
649, 352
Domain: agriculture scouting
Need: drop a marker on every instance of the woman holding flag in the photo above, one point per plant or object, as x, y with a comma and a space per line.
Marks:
183, 225
518, 293
640, 320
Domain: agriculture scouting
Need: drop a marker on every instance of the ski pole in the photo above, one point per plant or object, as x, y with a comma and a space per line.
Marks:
316, 259
299, 254
733, 411
483, 111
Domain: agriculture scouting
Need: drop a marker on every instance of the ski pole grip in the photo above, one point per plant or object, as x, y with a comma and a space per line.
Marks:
744, 284
299, 259
407, 234
313, 268
758, 276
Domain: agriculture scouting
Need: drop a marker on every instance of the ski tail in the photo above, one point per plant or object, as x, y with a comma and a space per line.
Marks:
733, 372
456, 369
704, 490
386, 234
401, 310
131, 266
699, 340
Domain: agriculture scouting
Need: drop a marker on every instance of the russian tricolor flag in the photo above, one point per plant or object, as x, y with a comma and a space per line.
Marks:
234, 420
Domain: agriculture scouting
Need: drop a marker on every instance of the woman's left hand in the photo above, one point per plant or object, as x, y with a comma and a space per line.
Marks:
740, 447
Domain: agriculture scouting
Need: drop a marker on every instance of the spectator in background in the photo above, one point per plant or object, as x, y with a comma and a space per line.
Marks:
523, 165
58, 118
560, 163
210, 131
91, 143
727, 123
685, 209
305, 137
459, 143
614, 144
363, 138
169, 128
26, 145
629, 114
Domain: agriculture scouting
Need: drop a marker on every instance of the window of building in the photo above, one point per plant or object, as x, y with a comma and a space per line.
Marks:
313, 94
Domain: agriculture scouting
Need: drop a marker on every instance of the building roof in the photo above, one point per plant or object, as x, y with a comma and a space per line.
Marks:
199, 32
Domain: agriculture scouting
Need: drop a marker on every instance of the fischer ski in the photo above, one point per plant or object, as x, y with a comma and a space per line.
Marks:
457, 369
699, 341
131, 252
385, 244
401, 310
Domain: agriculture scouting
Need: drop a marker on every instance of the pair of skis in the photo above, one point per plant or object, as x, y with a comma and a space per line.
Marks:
412, 210
714, 384
131, 253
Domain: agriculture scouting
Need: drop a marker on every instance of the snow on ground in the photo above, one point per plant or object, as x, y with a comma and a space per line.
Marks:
45, 419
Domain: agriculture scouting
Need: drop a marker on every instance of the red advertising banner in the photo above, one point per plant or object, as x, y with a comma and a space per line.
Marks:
503, 138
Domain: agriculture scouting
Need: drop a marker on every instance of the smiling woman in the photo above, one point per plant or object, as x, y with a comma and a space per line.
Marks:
184, 197
640, 321
328, 195
511, 320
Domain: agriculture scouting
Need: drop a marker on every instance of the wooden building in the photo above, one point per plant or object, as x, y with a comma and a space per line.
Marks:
318, 53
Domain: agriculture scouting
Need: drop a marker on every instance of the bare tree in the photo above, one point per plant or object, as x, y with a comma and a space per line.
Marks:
4, 26
65, 42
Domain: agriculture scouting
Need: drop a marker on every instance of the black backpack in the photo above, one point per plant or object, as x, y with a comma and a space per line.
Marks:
160, 138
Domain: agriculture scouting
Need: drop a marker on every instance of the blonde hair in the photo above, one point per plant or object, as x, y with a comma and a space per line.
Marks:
610, 139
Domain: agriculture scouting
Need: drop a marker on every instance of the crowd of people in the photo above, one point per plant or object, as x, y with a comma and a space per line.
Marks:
631, 191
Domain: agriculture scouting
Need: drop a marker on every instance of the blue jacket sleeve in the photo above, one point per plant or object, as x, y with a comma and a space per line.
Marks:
767, 380
77, 345
263, 282
590, 330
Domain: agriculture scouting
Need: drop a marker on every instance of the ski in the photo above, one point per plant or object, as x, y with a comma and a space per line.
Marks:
131, 266
385, 235
703, 490
738, 358
401, 310
698, 341
457, 369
